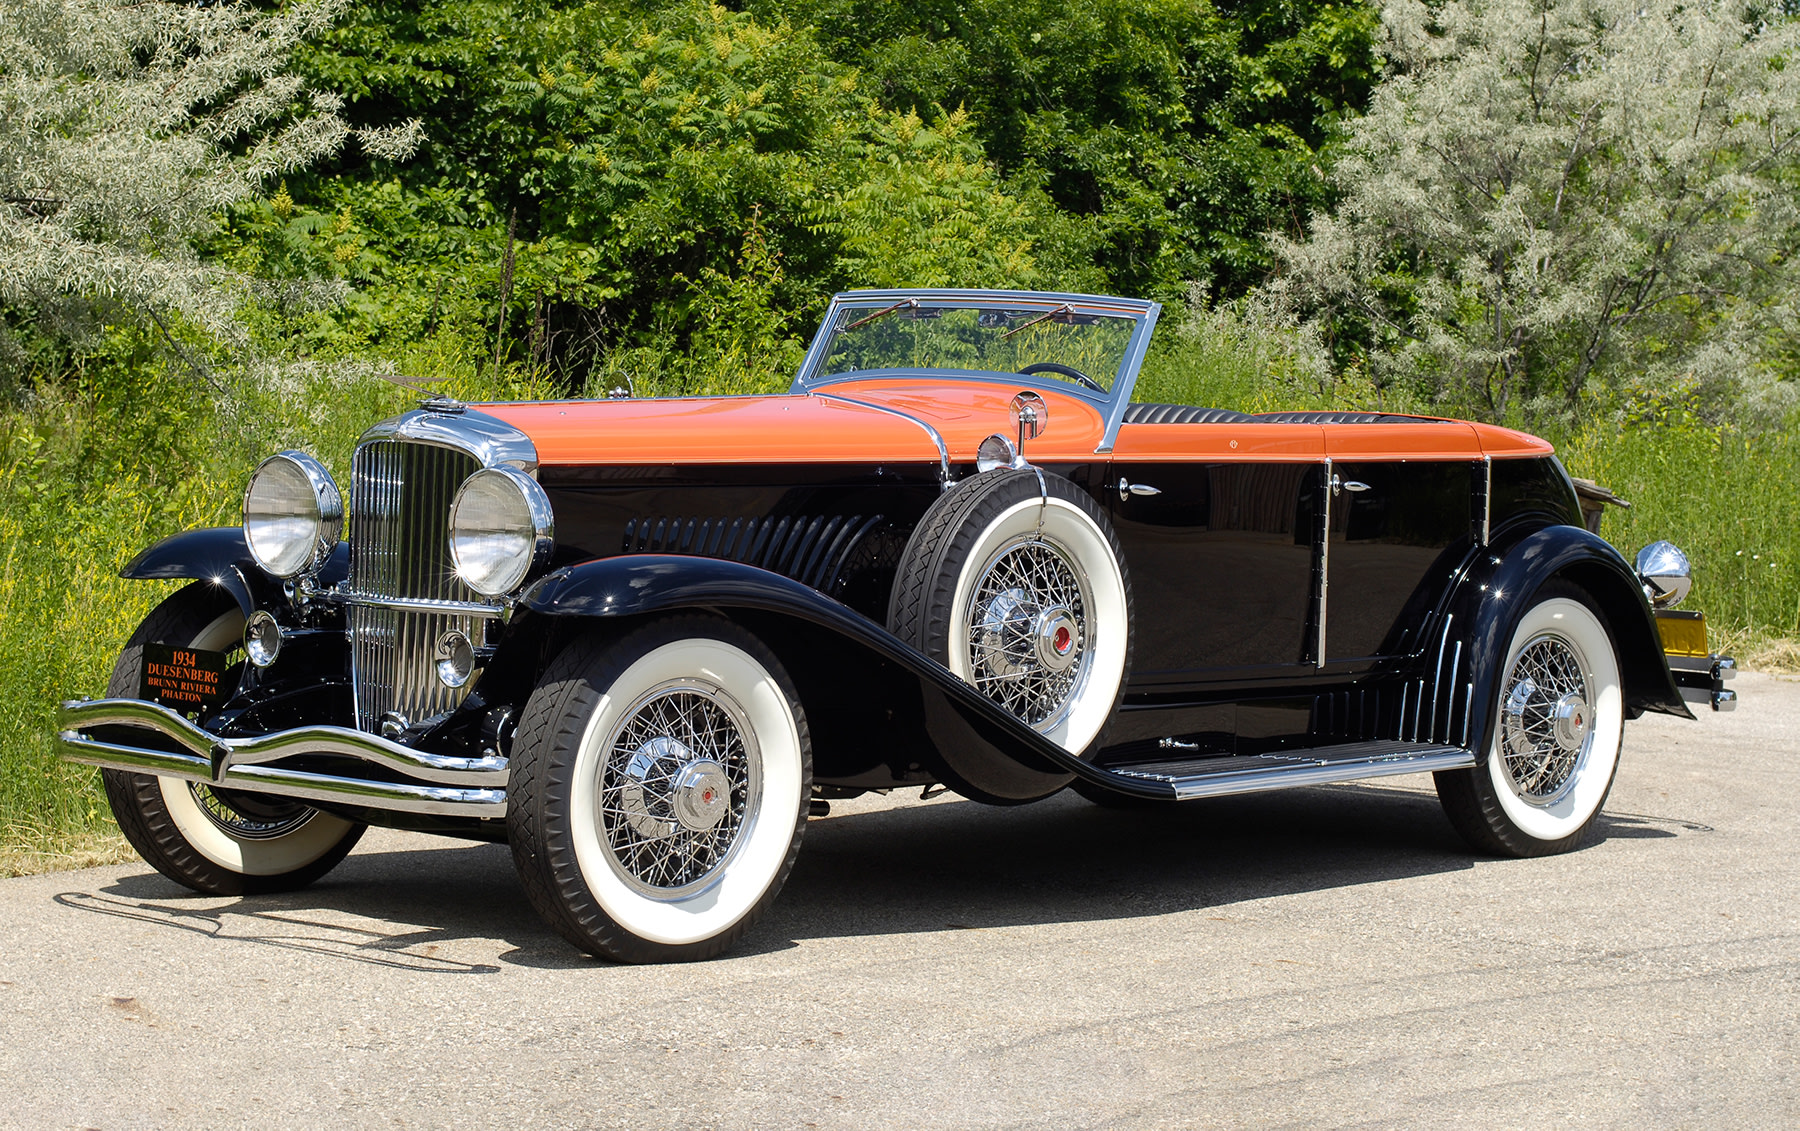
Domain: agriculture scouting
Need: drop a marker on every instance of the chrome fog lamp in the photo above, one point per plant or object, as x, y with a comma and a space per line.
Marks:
262, 638
293, 514
1666, 574
455, 657
500, 529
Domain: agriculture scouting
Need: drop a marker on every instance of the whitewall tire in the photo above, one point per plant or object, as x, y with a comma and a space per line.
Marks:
1018, 587
1559, 722
225, 842
659, 786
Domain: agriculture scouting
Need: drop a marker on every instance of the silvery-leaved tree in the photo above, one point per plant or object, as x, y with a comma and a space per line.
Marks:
1549, 193
126, 128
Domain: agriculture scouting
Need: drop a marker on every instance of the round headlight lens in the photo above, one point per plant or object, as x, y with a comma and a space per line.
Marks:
293, 514
500, 527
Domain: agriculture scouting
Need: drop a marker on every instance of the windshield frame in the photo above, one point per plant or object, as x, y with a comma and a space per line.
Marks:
1110, 405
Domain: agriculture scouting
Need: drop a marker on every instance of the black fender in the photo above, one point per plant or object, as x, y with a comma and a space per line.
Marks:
983, 751
219, 555
1495, 592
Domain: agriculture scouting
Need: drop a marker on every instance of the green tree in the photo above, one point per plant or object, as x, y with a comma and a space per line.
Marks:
125, 126
1547, 193
1173, 132
593, 172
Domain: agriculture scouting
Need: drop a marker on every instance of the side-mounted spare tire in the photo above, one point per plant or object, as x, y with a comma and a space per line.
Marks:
1018, 586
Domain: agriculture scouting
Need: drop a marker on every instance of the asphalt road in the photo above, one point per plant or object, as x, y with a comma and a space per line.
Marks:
1329, 956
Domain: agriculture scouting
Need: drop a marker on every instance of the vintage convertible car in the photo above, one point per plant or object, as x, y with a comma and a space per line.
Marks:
641, 639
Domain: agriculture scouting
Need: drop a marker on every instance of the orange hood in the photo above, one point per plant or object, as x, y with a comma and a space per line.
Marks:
824, 427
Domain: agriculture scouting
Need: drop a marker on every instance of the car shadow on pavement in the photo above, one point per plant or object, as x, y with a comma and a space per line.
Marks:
906, 869
960, 864
406, 909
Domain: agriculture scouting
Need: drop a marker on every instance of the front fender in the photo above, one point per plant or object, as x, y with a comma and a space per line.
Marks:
986, 751
219, 555
1497, 589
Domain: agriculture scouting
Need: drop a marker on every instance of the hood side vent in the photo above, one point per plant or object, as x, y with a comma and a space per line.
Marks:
811, 550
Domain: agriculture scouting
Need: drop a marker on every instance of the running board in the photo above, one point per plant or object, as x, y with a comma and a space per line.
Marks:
1286, 769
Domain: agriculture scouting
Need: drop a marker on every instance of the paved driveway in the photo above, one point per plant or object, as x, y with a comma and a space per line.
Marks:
1328, 956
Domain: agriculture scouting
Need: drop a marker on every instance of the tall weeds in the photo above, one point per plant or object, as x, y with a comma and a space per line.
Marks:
105, 462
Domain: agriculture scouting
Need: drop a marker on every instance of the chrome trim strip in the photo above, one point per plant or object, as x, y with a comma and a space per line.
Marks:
1437, 677
1468, 709
1126, 383
216, 755
412, 604
1450, 695
1324, 561
936, 437
1487, 497
488, 438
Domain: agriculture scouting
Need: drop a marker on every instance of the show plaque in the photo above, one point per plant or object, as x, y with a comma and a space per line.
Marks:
185, 679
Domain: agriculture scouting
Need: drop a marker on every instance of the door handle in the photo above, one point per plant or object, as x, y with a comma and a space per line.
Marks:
1127, 489
1350, 485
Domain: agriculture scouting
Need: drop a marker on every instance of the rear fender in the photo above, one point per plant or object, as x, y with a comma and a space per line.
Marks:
1496, 590
846, 663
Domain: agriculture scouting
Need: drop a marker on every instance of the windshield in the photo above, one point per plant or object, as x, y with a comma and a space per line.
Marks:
1062, 342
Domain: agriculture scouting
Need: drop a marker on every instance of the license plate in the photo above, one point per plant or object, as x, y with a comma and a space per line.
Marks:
185, 679
1683, 633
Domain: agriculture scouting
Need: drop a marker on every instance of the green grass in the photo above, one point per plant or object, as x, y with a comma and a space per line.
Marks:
102, 464
94, 469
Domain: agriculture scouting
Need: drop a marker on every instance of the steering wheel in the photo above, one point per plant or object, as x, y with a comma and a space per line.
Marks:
1063, 371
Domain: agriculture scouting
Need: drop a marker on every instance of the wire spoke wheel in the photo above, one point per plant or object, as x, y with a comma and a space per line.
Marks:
1027, 631
1014, 580
1545, 721
658, 788
681, 777
247, 819
220, 842
1559, 717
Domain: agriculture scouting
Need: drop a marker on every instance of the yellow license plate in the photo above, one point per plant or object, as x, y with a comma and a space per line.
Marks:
1683, 633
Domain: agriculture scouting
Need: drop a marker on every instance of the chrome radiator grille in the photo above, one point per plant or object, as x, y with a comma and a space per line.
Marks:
399, 552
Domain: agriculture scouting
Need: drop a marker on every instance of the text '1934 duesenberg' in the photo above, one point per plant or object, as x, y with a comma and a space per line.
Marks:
640, 639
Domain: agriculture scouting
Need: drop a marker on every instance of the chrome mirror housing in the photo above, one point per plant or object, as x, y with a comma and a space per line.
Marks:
996, 451
1031, 414
1665, 573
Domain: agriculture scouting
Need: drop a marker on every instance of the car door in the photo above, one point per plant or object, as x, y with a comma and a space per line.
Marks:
1401, 520
1215, 524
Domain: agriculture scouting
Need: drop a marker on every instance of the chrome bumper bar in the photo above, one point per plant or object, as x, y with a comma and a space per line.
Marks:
1701, 679
438, 784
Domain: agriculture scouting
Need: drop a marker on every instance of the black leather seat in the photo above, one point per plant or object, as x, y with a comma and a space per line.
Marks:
1183, 414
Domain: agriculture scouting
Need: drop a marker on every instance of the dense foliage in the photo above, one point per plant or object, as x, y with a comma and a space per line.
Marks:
607, 173
1548, 193
1570, 214
125, 128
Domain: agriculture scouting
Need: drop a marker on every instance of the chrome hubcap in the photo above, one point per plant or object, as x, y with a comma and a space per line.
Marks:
681, 776
1027, 634
1546, 722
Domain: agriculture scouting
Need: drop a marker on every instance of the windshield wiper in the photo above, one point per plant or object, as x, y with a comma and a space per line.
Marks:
905, 303
1063, 310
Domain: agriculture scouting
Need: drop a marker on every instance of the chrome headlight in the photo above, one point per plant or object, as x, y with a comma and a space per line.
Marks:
293, 514
500, 529
1665, 574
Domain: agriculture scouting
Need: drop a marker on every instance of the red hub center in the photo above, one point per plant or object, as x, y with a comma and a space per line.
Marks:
1063, 640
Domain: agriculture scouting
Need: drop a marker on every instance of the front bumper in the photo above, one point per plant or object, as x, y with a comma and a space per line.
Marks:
382, 774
